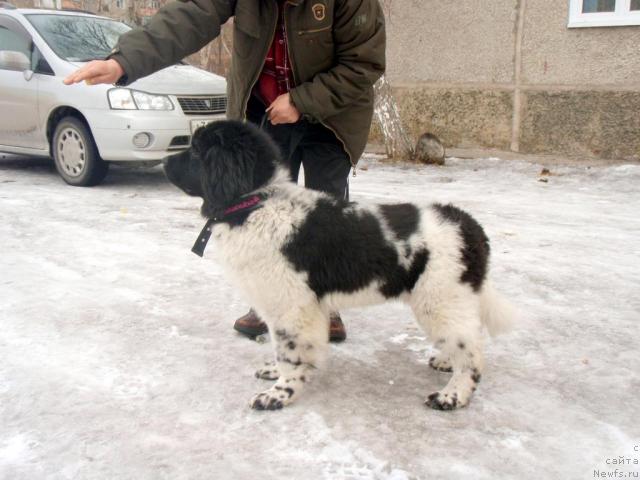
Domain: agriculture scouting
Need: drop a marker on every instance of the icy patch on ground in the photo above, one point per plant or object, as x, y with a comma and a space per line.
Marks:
119, 360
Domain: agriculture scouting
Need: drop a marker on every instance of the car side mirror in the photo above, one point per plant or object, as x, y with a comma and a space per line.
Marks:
11, 60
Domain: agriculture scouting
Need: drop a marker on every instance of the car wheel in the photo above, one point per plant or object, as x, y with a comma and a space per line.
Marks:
76, 155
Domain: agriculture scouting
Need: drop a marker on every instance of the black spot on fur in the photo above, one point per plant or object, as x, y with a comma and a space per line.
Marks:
283, 335
401, 280
291, 345
295, 363
343, 250
475, 251
461, 345
475, 375
402, 219
432, 364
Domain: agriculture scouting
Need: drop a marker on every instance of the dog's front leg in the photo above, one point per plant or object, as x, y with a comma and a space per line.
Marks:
300, 339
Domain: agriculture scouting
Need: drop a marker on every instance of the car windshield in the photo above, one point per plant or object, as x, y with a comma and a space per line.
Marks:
78, 38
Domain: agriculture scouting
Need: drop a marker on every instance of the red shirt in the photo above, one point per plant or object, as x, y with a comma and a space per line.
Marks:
276, 77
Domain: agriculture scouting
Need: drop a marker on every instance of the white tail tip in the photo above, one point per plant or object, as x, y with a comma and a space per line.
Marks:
497, 314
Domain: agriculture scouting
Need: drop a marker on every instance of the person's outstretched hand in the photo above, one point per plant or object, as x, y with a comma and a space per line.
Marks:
96, 71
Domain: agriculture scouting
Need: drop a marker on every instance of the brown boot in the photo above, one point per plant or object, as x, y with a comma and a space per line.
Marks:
251, 326
337, 332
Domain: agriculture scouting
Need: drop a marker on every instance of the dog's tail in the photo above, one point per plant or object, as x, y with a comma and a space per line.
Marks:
496, 313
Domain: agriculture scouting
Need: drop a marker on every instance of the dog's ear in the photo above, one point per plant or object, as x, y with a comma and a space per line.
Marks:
205, 137
228, 175
237, 158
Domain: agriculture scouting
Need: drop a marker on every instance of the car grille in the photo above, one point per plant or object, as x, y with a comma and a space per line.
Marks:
179, 142
203, 105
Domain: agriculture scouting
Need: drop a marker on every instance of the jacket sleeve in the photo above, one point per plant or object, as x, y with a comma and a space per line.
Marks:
359, 36
178, 29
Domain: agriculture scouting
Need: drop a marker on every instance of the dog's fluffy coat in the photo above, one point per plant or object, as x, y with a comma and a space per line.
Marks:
304, 254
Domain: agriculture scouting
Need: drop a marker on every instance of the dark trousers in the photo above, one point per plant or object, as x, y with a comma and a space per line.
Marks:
312, 145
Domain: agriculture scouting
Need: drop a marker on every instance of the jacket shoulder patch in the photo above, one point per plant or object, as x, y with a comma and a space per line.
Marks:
319, 11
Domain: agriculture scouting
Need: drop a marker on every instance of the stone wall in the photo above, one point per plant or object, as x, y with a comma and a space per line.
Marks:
510, 75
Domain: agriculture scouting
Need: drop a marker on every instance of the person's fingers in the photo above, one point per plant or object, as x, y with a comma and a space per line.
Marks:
94, 72
282, 119
73, 77
101, 79
79, 75
274, 118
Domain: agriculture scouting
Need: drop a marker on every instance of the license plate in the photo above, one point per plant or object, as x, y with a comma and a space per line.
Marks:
196, 124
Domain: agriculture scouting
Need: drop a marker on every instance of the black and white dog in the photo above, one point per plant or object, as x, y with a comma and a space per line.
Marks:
299, 254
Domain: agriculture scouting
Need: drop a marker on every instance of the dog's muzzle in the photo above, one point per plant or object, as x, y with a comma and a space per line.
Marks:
185, 172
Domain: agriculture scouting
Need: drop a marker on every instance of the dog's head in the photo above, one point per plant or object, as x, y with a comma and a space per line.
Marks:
227, 159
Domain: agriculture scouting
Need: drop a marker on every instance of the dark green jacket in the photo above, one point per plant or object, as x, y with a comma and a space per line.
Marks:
337, 51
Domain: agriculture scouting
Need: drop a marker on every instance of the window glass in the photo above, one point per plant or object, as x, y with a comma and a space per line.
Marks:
78, 38
12, 49
11, 41
603, 13
39, 64
592, 6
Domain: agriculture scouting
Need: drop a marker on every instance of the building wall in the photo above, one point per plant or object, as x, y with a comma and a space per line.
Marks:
509, 74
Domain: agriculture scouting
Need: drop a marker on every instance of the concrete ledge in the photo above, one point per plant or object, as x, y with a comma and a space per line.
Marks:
589, 124
547, 160
577, 126
459, 117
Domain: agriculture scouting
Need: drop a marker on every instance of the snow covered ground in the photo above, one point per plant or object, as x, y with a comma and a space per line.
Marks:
118, 359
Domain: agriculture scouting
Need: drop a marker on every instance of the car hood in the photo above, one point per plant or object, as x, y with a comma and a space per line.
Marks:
180, 80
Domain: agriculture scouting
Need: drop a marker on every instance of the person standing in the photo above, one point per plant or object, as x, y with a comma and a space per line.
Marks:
303, 69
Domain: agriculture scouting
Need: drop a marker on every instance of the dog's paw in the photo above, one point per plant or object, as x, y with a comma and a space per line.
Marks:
264, 401
268, 372
443, 401
441, 364
273, 399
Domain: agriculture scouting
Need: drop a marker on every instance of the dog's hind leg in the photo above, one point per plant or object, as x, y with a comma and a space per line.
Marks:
456, 328
300, 338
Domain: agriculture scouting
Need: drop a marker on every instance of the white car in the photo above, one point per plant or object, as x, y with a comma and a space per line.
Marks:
85, 127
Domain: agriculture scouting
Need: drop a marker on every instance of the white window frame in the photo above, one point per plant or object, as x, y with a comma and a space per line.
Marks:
623, 16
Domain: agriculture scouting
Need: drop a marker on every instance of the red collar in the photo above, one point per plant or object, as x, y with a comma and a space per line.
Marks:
235, 215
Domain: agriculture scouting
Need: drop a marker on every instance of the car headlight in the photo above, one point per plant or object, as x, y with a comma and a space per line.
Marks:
127, 99
147, 101
121, 99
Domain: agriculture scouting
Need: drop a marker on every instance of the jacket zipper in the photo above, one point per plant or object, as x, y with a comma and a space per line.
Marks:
344, 146
257, 76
